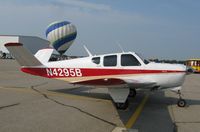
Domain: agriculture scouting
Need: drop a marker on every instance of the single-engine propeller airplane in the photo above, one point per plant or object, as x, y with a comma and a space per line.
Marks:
122, 73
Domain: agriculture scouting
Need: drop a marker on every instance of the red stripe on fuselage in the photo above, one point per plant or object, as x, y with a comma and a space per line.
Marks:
88, 72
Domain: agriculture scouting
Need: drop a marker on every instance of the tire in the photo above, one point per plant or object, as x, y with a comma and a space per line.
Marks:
132, 93
181, 103
122, 106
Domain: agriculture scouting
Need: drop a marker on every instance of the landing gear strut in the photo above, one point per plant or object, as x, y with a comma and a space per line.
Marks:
119, 97
181, 102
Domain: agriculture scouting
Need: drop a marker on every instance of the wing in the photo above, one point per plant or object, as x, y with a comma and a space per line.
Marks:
113, 82
140, 83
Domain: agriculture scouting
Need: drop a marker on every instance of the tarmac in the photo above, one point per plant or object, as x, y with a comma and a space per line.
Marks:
30, 103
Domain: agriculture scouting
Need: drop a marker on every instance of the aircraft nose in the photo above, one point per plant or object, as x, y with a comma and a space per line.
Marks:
186, 69
182, 68
182, 74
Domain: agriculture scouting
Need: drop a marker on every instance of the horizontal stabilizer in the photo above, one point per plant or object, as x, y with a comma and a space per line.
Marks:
22, 55
44, 55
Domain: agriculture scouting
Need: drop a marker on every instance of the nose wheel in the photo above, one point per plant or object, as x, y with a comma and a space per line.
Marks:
181, 102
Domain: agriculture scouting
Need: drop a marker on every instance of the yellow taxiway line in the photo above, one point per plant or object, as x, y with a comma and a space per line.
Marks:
137, 113
130, 122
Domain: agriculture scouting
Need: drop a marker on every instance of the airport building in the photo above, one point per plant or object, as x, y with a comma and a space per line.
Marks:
32, 43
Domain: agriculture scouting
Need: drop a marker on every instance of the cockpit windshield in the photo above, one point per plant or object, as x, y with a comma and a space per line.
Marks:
146, 61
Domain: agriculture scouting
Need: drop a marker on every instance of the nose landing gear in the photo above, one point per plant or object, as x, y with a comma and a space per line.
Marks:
181, 102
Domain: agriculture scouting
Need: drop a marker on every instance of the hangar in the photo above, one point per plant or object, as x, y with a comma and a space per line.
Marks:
32, 43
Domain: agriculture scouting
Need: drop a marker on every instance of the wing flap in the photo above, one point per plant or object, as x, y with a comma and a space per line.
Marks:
116, 81
140, 83
102, 82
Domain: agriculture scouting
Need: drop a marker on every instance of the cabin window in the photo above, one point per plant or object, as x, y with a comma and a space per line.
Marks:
96, 60
129, 60
142, 58
110, 60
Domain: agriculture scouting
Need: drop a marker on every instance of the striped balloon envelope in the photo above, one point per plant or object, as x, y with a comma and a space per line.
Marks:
61, 35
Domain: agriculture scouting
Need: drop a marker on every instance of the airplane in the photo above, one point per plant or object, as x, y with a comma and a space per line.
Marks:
122, 73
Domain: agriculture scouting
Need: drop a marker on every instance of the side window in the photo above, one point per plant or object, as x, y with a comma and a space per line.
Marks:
129, 60
110, 60
96, 60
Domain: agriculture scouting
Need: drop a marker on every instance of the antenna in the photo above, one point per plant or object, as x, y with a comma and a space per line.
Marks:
120, 46
86, 49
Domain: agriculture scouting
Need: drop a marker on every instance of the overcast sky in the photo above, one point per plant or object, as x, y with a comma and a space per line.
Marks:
165, 29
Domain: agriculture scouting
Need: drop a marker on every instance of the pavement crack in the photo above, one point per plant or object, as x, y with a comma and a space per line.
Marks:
7, 106
188, 122
82, 111
40, 84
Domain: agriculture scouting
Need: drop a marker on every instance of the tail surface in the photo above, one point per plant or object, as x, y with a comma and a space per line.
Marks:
22, 55
44, 55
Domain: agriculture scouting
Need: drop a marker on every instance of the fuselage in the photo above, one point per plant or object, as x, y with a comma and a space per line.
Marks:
110, 70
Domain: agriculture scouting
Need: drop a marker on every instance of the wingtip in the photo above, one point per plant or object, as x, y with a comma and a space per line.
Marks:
13, 44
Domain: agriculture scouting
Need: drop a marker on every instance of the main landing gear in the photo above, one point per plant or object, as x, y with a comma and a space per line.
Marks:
181, 102
122, 106
120, 96
132, 93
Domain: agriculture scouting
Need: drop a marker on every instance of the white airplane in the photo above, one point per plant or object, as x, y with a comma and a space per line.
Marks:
122, 73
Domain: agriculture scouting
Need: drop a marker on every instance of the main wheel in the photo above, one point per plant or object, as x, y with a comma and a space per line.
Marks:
122, 106
132, 93
181, 103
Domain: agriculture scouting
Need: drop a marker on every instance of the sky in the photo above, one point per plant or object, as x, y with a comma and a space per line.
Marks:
164, 29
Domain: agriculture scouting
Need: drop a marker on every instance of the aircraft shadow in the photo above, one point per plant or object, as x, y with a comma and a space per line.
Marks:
155, 116
84, 91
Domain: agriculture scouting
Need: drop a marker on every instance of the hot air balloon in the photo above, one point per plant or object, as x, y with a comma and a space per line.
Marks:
61, 35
